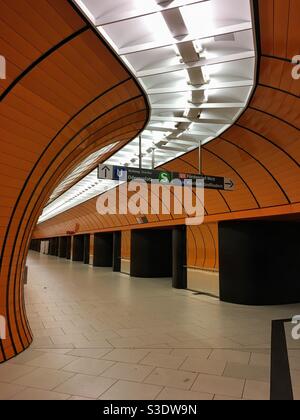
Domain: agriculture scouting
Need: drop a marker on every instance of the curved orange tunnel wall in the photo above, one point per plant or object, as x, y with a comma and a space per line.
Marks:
61, 101
203, 246
65, 96
261, 152
126, 244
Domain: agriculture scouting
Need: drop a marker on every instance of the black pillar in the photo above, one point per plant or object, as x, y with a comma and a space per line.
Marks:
86, 249
117, 252
56, 247
78, 248
259, 262
179, 258
35, 245
151, 253
68, 247
53, 247
103, 250
62, 247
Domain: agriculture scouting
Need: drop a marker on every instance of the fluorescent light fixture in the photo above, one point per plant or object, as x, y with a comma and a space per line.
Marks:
198, 18
207, 23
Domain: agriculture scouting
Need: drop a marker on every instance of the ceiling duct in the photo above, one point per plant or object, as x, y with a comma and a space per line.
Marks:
164, 3
175, 23
193, 114
197, 98
187, 52
196, 76
225, 38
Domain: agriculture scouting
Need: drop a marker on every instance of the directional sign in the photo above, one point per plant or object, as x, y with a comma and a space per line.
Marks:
123, 173
105, 172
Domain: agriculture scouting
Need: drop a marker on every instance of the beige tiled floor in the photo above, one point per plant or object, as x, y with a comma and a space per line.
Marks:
102, 335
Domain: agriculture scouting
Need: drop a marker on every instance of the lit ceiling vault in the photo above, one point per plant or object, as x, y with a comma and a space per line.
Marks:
196, 60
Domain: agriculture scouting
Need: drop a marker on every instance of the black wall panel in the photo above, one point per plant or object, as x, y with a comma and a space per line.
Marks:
117, 251
86, 249
179, 258
151, 253
259, 262
103, 250
62, 247
78, 248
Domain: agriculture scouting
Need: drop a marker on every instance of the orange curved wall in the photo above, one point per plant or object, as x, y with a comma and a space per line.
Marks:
261, 152
65, 96
203, 246
126, 244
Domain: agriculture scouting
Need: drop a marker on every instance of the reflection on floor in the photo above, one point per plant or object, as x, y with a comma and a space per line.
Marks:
102, 335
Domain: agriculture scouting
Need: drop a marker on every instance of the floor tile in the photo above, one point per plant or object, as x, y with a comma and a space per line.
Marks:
9, 372
130, 372
171, 378
45, 379
126, 355
94, 353
86, 386
164, 327
169, 394
9, 390
88, 366
219, 385
196, 353
255, 390
52, 361
225, 398
256, 373
125, 390
27, 356
38, 394
163, 360
230, 356
212, 367
260, 359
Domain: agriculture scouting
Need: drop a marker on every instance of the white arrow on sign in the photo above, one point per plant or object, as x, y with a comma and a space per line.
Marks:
106, 172
229, 185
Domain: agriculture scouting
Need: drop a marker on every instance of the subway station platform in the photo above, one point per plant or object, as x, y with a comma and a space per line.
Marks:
105, 335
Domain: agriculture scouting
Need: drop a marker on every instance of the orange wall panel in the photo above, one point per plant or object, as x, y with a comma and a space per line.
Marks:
66, 95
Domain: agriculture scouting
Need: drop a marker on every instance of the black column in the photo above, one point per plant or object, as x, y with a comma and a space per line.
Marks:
35, 245
179, 258
78, 248
103, 250
86, 250
53, 247
62, 247
259, 262
151, 253
56, 247
117, 252
68, 247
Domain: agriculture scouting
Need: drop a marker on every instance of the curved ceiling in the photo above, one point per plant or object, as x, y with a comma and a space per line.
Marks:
260, 152
196, 61
66, 95
194, 58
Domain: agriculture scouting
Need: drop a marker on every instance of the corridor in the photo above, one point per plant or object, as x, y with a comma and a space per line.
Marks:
102, 335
